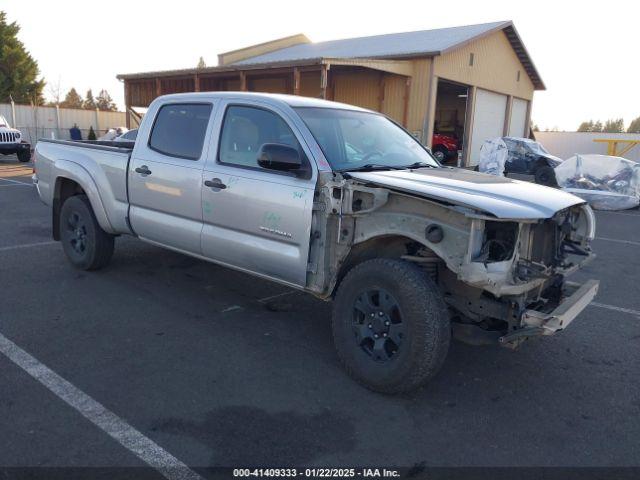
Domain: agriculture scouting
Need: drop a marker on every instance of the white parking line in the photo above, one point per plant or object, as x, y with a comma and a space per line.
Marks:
14, 181
616, 309
27, 245
616, 240
143, 447
18, 184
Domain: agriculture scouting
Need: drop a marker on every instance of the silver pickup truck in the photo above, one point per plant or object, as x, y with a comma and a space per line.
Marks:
339, 202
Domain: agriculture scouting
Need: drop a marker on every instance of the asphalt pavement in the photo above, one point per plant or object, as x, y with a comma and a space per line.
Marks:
218, 368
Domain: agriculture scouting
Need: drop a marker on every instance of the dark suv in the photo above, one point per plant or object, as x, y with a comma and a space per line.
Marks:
528, 157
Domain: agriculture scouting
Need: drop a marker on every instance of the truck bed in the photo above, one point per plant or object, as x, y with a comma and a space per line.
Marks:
107, 145
101, 167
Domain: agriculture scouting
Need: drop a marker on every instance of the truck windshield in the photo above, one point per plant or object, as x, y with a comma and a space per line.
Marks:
352, 140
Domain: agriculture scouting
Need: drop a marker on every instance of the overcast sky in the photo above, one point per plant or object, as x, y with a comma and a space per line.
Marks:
587, 55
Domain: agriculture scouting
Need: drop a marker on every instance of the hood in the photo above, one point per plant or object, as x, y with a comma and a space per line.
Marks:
497, 196
554, 161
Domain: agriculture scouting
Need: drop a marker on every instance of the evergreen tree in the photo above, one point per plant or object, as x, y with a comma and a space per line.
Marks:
18, 69
597, 127
72, 100
201, 63
92, 134
614, 126
105, 102
89, 102
634, 126
586, 126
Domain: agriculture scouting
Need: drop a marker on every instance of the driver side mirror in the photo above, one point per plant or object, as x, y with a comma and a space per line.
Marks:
277, 156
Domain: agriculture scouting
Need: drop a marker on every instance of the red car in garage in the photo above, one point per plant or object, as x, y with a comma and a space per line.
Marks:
444, 147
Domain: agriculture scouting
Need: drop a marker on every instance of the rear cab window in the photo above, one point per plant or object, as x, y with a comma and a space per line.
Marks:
179, 129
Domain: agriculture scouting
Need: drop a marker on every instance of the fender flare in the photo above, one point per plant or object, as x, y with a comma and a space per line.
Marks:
77, 173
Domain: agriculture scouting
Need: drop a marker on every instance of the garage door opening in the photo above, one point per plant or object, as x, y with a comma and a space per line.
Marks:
449, 122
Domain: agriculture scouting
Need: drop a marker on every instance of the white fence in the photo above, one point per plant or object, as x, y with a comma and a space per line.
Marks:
567, 144
53, 122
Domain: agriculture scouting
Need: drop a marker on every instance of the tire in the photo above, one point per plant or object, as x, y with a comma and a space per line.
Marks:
24, 156
417, 328
85, 244
546, 175
441, 153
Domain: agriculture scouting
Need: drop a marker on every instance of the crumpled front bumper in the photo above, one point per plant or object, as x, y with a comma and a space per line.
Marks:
535, 323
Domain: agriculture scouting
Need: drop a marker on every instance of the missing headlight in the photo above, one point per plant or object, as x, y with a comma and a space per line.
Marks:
499, 242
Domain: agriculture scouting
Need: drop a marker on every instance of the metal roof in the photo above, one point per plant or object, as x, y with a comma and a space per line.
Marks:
399, 45
389, 45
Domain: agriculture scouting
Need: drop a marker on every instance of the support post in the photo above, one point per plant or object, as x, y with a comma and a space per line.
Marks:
97, 122
468, 125
429, 118
196, 82
13, 113
323, 81
407, 95
243, 81
381, 93
58, 121
507, 116
158, 87
296, 81
127, 104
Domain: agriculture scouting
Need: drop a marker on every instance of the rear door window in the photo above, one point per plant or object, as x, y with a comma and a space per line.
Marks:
179, 130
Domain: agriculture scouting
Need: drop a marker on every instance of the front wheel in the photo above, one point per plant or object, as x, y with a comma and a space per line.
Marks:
390, 324
24, 156
441, 153
85, 244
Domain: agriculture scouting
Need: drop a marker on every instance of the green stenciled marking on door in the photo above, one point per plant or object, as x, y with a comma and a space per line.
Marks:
299, 194
271, 220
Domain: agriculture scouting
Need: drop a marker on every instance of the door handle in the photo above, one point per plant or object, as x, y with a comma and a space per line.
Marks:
215, 183
144, 170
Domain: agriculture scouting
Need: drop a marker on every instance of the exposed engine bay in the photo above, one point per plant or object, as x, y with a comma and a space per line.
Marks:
491, 271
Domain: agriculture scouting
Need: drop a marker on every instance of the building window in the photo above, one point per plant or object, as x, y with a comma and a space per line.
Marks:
471, 59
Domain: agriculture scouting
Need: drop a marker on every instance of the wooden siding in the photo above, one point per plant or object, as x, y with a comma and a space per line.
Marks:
357, 87
394, 92
495, 66
177, 85
310, 84
419, 95
270, 85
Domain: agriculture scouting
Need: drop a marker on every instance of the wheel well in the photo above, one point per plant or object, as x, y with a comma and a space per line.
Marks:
65, 188
388, 246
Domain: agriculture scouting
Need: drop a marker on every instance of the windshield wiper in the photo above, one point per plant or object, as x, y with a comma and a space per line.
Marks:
371, 167
420, 165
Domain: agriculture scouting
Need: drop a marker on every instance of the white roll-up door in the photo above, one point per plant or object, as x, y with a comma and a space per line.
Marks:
517, 124
488, 120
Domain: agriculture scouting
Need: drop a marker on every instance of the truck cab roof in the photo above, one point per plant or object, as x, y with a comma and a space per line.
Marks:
271, 98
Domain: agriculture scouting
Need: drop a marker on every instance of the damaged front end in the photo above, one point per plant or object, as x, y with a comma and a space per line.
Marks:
503, 278
513, 279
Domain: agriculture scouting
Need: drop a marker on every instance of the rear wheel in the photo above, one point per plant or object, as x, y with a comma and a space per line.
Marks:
546, 175
86, 245
390, 325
